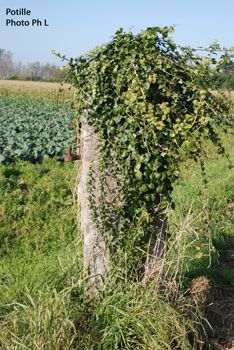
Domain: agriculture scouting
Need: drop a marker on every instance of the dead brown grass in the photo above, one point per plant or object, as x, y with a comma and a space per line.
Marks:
37, 90
229, 94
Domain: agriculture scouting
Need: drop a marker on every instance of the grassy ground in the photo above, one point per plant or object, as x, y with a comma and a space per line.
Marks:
210, 213
37, 233
43, 304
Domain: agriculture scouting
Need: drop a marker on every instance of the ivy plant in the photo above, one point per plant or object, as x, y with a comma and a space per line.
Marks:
150, 102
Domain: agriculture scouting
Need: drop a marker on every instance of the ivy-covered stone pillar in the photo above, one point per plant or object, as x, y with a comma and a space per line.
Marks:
150, 108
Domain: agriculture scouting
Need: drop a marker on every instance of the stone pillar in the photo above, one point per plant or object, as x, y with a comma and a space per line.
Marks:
95, 253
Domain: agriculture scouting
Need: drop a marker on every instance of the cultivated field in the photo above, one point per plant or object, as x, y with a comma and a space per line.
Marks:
37, 90
23, 138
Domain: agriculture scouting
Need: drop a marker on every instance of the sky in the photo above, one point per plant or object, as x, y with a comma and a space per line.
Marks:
76, 26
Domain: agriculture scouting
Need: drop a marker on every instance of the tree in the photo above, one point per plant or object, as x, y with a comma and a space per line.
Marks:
6, 63
35, 70
144, 105
225, 77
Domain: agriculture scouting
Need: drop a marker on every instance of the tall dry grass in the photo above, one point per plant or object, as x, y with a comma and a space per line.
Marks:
37, 90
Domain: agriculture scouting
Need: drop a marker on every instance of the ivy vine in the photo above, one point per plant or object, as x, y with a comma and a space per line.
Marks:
151, 105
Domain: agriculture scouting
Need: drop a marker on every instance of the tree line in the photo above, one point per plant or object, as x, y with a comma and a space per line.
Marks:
36, 71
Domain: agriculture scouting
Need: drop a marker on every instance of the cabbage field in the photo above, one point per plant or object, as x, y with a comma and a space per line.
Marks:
34, 129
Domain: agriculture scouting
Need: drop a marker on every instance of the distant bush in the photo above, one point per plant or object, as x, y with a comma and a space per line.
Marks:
225, 79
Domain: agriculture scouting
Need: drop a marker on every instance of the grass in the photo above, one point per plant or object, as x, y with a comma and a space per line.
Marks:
210, 218
38, 254
62, 93
36, 226
42, 289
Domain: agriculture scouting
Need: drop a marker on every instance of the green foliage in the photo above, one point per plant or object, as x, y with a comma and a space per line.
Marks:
42, 290
149, 102
35, 198
38, 254
225, 78
131, 316
34, 129
43, 303
210, 218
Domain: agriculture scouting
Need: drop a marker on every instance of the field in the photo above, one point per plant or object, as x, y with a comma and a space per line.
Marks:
33, 90
22, 137
43, 302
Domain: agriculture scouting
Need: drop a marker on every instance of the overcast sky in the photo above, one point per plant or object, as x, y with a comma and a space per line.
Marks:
77, 26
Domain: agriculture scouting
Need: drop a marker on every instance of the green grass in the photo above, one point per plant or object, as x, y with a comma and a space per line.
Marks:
37, 252
40, 223
210, 219
43, 304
